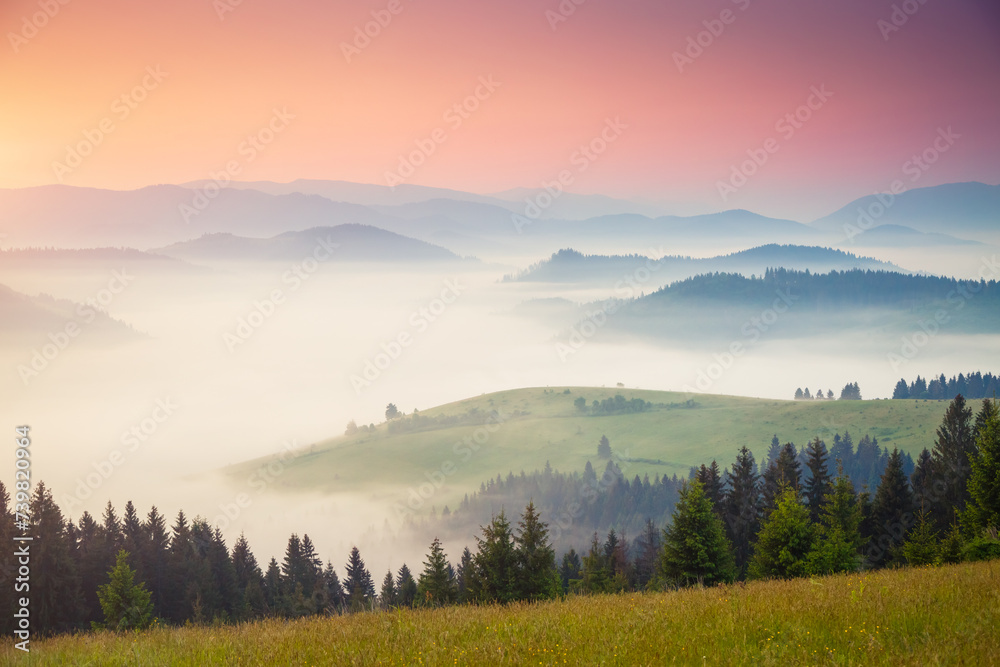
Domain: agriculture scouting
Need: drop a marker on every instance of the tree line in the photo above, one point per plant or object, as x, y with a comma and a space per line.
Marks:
850, 392
792, 520
973, 385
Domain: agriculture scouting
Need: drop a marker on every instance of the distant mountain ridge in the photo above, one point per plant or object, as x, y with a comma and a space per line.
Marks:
343, 243
571, 266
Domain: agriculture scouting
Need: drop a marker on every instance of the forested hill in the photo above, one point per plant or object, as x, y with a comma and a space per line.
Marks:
854, 288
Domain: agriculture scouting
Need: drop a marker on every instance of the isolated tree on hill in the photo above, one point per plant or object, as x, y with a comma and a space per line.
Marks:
952, 452
538, 579
818, 485
604, 448
892, 512
391, 412
798, 394
125, 603
806, 395
983, 510
785, 539
742, 507
435, 586
901, 391
829, 394
850, 392
695, 548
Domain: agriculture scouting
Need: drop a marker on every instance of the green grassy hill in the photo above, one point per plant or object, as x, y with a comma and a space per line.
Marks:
926, 616
544, 425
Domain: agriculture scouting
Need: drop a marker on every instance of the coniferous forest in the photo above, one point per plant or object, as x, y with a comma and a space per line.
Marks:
811, 511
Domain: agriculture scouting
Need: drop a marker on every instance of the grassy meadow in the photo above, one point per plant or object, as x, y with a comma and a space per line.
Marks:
922, 616
547, 427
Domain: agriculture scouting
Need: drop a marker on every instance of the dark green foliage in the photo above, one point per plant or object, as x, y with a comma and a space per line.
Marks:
839, 541
436, 586
892, 513
387, 596
786, 537
973, 385
595, 577
570, 571
952, 466
850, 392
406, 587
619, 405
742, 507
56, 601
783, 471
127, 605
359, 589
817, 487
921, 547
983, 510
538, 577
695, 548
496, 563
465, 569
604, 448
711, 481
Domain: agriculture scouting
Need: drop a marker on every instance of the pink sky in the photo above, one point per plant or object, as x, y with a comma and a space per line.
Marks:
557, 87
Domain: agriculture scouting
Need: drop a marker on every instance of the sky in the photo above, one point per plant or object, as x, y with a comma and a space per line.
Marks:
672, 99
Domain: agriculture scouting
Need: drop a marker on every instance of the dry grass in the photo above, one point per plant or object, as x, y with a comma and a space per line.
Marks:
927, 616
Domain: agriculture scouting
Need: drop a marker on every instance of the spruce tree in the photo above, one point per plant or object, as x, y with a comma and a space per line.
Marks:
435, 587
463, 575
892, 513
785, 540
595, 576
921, 547
743, 507
818, 486
127, 605
538, 578
406, 587
56, 602
839, 541
387, 596
496, 562
359, 588
983, 510
695, 548
570, 569
647, 560
153, 556
952, 466
604, 448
